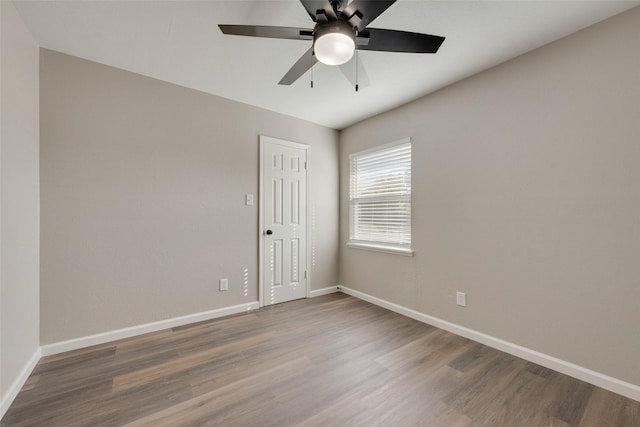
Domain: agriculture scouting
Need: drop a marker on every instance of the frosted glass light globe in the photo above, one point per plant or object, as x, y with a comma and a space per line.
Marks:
334, 47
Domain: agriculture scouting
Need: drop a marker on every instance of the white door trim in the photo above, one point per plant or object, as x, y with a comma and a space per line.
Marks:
271, 140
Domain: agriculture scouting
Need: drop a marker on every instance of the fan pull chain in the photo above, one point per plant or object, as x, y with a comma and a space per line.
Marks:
356, 70
311, 72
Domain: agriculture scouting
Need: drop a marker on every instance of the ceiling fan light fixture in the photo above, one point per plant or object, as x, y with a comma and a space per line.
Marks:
334, 44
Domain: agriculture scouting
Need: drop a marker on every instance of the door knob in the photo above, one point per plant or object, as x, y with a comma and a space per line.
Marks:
269, 232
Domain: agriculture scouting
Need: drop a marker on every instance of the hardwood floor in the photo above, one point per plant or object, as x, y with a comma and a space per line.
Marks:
327, 361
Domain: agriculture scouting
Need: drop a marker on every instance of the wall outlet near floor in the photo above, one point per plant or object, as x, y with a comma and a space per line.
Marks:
461, 299
224, 284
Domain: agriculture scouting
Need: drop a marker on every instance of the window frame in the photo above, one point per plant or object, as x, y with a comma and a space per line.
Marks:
374, 245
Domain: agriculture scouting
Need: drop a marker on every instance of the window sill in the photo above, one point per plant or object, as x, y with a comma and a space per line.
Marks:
381, 248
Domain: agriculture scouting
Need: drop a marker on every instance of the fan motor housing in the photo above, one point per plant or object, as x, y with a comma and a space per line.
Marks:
340, 27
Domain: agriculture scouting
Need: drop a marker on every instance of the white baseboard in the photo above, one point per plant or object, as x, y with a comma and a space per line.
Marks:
17, 384
323, 291
76, 343
615, 385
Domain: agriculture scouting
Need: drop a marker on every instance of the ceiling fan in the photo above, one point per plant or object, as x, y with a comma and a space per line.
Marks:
341, 27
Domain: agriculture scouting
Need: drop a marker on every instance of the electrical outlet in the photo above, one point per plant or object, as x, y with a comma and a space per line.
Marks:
224, 284
461, 299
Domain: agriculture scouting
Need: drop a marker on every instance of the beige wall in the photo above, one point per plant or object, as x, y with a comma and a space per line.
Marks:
19, 199
526, 195
143, 186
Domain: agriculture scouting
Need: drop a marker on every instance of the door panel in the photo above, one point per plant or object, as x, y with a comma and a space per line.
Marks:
284, 213
277, 202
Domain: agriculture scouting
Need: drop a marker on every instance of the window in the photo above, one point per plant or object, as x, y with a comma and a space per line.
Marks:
380, 198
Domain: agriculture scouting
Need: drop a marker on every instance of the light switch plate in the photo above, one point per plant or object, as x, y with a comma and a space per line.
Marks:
248, 200
461, 299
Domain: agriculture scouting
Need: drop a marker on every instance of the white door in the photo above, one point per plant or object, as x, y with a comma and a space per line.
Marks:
284, 220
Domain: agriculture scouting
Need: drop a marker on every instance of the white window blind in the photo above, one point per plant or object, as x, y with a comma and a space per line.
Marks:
380, 196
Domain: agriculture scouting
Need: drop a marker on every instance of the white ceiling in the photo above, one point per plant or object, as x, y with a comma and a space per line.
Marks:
179, 42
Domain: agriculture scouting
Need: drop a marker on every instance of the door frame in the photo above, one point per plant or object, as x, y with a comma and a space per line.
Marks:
307, 276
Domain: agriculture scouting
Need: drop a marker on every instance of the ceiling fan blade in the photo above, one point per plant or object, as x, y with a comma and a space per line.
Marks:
305, 62
400, 41
366, 10
269, 32
349, 71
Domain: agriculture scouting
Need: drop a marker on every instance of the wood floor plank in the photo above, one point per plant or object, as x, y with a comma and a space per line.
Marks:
209, 405
182, 363
574, 403
516, 409
328, 361
606, 409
